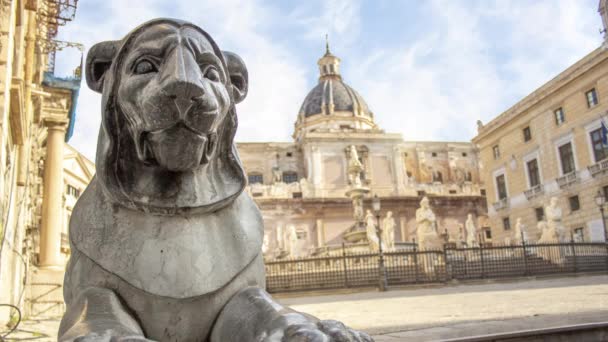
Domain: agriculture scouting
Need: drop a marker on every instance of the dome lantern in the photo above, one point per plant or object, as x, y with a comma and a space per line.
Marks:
329, 65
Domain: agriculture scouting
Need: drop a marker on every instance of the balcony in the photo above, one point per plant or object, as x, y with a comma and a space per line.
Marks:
567, 179
598, 168
534, 191
501, 204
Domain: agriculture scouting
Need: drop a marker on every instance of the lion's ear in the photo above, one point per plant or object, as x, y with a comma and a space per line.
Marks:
238, 75
99, 59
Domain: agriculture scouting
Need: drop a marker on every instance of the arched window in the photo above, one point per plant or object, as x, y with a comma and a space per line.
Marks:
469, 177
437, 177
290, 177
255, 177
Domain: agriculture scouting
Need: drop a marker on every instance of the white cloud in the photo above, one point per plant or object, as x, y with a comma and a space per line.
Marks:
458, 72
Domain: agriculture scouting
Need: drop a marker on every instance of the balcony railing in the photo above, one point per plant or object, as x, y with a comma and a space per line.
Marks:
567, 179
598, 168
501, 204
534, 191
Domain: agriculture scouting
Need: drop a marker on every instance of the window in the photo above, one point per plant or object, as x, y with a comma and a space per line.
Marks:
290, 177
437, 177
296, 194
482, 192
452, 192
434, 154
533, 173
255, 178
567, 158
488, 233
289, 154
496, 152
600, 150
574, 203
527, 134
591, 98
72, 191
506, 223
346, 127
605, 190
464, 154
501, 187
559, 116
468, 177
540, 214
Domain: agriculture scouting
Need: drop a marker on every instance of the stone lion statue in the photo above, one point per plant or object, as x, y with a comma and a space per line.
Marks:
166, 246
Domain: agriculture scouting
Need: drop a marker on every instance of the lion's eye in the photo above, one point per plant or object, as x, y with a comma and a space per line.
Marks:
144, 67
212, 74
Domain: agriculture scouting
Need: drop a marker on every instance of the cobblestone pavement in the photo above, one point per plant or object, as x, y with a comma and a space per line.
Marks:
431, 313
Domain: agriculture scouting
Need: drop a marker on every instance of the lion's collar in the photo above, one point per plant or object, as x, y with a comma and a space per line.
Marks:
170, 256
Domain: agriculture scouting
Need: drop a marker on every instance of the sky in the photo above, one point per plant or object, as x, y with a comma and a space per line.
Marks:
428, 69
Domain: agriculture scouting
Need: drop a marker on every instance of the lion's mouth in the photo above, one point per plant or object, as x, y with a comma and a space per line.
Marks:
178, 148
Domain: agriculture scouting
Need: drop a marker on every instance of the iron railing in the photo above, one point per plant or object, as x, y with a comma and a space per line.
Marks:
348, 270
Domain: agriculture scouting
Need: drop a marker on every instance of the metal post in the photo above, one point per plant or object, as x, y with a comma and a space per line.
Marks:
415, 261
344, 265
481, 258
605, 234
523, 245
381, 270
573, 251
445, 262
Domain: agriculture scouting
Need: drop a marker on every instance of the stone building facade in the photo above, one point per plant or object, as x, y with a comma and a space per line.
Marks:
301, 186
37, 115
550, 144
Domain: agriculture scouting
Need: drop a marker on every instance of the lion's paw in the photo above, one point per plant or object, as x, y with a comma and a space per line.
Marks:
323, 331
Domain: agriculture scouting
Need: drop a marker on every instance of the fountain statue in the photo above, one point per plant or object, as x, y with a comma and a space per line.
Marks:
520, 236
553, 230
471, 231
166, 244
426, 226
371, 234
388, 232
358, 231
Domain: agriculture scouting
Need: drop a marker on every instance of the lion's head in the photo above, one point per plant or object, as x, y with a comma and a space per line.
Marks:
168, 118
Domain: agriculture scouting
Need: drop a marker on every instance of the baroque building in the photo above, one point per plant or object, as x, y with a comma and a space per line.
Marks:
551, 144
37, 112
301, 186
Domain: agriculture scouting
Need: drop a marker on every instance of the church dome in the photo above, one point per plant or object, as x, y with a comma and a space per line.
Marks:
332, 95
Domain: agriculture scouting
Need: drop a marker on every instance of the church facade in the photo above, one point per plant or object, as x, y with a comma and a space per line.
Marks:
301, 186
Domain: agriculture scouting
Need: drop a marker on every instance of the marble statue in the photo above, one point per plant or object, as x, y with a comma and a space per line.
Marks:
553, 215
426, 226
166, 245
388, 231
471, 231
354, 167
292, 241
277, 177
520, 235
358, 209
370, 229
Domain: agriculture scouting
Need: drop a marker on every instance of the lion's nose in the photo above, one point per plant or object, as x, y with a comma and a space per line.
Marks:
184, 94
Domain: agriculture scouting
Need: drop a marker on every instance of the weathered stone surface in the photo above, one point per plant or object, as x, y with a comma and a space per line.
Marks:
166, 246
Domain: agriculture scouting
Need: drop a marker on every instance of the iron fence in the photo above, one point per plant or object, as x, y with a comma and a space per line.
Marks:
434, 266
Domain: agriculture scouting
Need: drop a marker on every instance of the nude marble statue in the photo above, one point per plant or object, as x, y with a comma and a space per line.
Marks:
426, 226
166, 245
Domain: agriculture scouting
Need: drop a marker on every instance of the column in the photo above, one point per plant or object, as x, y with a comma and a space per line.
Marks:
320, 233
403, 226
50, 231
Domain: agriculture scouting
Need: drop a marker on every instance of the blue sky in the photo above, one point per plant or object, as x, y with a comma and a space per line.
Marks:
428, 69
